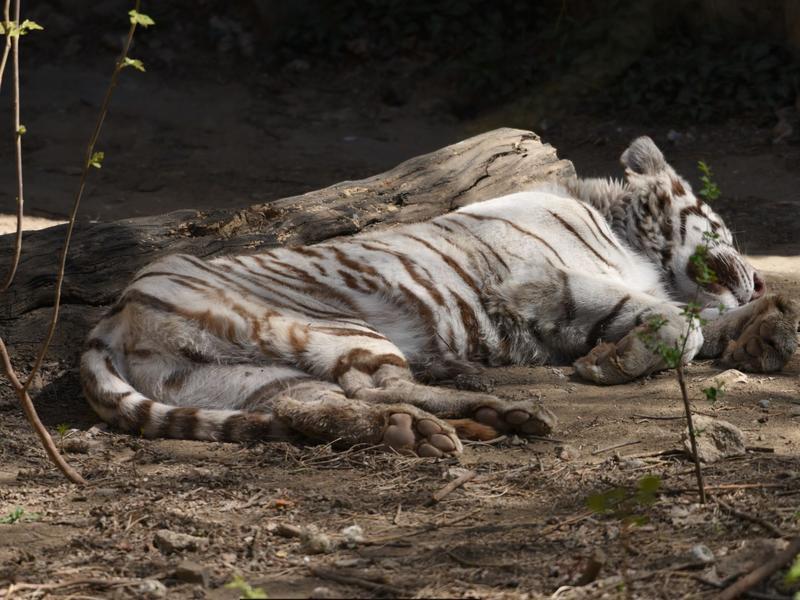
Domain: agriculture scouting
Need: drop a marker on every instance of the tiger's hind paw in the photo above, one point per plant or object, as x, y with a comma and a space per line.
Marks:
768, 340
525, 418
412, 431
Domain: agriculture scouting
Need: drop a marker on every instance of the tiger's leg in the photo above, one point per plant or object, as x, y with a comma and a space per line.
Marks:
609, 326
321, 411
760, 336
241, 402
394, 383
369, 367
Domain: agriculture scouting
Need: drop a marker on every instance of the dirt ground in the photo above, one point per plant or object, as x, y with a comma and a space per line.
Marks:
520, 528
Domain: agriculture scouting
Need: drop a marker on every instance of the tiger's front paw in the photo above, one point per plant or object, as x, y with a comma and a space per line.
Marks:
768, 339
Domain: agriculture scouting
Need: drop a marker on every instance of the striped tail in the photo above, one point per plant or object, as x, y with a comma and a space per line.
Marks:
119, 404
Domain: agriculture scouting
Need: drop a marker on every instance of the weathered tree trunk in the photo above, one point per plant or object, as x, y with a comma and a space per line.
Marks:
104, 256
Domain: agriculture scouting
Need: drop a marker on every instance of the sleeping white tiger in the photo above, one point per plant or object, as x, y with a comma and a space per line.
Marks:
324, 342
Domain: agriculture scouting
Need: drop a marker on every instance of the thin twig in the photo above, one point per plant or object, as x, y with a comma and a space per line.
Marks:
690, 426
382, 588
79, 194
15, 125
419, 530
754, 577
7, 48
752, 518
456, 483
33, 419
657, 417
616, 446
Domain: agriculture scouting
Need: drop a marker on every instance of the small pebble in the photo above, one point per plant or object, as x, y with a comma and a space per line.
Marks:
763, 403
701, 554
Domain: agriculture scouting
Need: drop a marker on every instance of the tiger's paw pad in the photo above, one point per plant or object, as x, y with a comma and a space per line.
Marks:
424, 436
768, 340
527, 420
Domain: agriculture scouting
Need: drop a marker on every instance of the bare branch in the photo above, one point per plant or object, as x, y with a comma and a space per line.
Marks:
17, 133
33, 419
79, 194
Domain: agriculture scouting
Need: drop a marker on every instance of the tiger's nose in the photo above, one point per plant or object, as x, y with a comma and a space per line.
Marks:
759, 287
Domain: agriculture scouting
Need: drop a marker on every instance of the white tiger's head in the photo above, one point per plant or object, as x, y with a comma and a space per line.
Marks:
665, 220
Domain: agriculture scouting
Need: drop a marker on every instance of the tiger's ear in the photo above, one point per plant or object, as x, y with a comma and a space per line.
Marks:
643, 157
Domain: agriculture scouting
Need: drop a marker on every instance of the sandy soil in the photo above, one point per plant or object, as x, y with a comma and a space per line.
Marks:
520, 528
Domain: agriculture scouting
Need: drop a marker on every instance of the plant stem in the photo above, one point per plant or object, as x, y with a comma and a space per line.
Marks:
78, 195
33, 419
7, 48
692, 439
15, 123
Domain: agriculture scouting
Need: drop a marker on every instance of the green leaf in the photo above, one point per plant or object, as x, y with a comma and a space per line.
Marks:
142, 19
793, 576
28, 25
133, 62
97, 160
22, 130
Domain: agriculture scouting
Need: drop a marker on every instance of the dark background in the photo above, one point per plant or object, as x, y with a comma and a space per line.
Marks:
250, 101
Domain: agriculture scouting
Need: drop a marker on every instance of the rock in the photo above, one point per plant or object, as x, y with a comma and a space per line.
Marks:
150, 589
352, 535
567, 452
631, 463
701, 554
321, 592
313, 541
795, 411
716, 439
191, 572
764, 403
172, 541
727, 378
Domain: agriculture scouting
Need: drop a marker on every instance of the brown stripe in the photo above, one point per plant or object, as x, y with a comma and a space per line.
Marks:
474, 235
97, 344
177, 378
140, 418
449, 261
685, 212
111, 368
365, 361
422, 309
518, 228
578, 236
181, 423
597, 227
243, 427
570, 310
352, 264
599, 328
471, 327
305, 251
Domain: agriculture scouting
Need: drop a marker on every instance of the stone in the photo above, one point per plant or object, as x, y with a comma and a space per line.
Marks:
169, 541
716, 439
764, 403
191, 572
313, 541
727, 378
150, 589
567, 452
701, 554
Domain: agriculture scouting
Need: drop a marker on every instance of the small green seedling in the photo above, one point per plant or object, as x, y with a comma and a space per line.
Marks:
245, 590
710, 190
623, 504
17, 515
